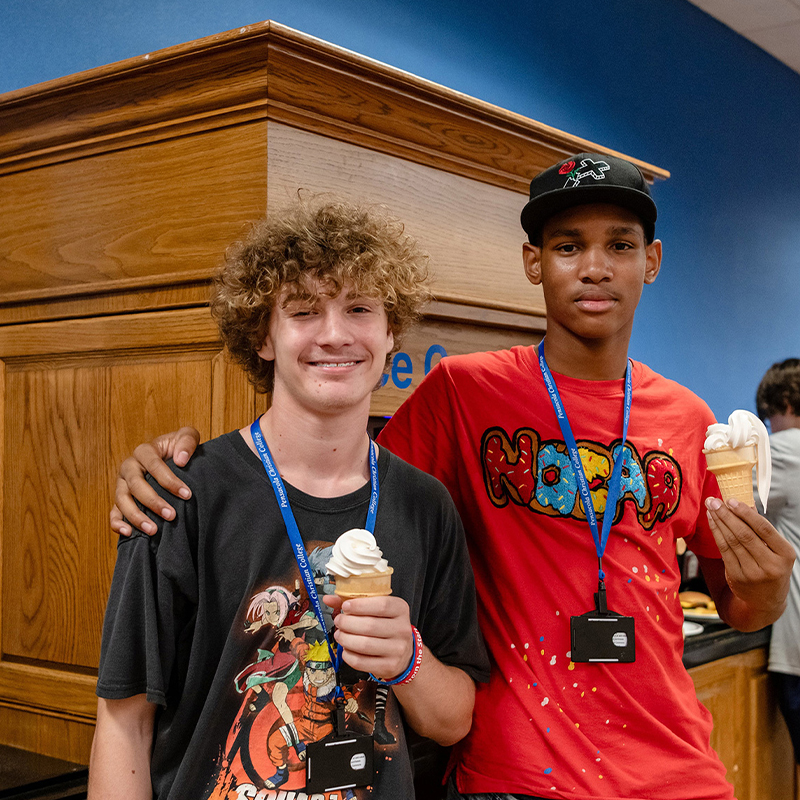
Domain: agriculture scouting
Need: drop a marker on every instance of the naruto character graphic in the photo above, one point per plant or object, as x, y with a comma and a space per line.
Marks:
284, 616
314, 720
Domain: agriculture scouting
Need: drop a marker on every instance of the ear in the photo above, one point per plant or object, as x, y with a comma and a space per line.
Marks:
532, 260
267, 351
653, 261
389, 341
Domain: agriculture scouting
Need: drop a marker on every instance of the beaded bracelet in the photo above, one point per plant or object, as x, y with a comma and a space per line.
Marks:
413, 668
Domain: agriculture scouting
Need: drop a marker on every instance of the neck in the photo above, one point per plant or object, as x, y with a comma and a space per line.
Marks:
587, 359
782, 422
321, 456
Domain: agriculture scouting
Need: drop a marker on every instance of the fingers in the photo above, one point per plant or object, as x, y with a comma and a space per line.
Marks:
118, 525
131, 482
375, 633
758, 560
738, 543
127, 507
180, 445
147, 458
743, 531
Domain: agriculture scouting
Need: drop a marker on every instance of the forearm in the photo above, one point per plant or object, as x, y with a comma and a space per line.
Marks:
438, 703
741, 615
752, 610
119, 765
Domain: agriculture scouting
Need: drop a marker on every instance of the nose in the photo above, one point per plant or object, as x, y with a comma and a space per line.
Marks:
334, 329
595, 265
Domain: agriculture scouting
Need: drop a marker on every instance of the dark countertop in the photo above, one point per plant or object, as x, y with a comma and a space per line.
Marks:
719, 641
29, 776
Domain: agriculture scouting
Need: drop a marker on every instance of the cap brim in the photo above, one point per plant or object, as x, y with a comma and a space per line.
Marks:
537, 211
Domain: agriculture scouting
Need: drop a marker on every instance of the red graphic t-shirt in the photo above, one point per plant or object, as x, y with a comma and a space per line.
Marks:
484, 425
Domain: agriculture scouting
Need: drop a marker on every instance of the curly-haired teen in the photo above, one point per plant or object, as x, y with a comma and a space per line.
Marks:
778, 401
315, 246
216, 676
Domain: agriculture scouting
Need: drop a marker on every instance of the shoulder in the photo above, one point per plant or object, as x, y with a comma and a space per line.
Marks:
219, 467
669, 393
494, 362
214, 458
476, 373
414, 482
418, 492
785, 447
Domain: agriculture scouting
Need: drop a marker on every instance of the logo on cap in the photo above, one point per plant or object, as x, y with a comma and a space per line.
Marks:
587, 169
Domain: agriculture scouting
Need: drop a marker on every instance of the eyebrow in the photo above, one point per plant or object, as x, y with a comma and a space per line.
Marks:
574, 233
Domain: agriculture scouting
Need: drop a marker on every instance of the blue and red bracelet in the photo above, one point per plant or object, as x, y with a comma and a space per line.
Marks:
413, 668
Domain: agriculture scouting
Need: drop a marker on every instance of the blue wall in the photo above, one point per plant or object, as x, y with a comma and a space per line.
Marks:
659, 80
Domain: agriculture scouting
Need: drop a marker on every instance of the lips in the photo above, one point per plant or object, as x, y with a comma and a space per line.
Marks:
596, 301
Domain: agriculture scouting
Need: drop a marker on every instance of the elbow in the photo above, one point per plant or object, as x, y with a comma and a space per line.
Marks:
454, 733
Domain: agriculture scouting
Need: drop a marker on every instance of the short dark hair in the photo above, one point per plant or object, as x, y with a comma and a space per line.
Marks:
779, 390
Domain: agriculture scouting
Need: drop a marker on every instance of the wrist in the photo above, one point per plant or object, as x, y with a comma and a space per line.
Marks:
412, 669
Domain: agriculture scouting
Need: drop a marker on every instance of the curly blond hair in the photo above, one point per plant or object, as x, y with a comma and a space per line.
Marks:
319, 238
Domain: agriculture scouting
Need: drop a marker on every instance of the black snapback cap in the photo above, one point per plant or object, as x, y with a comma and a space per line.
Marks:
588, 178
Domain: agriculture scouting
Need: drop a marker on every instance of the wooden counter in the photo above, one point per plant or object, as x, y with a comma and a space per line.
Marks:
749, 733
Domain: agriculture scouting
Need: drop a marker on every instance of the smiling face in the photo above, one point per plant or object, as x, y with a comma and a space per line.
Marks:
329, 351
592, 264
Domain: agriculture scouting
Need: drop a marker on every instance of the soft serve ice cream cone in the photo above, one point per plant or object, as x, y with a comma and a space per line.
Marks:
359, 567
732, 450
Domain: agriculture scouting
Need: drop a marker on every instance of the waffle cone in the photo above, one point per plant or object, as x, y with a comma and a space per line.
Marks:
368, 584
734, 470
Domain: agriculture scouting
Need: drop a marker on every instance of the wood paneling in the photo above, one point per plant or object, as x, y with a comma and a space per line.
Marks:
269, 69
58, 736
141, 217
470, 230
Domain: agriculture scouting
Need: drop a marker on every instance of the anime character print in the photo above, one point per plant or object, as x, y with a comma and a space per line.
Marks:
286, 689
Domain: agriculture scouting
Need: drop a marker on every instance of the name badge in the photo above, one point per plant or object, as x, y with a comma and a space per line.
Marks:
339, 762
599, 637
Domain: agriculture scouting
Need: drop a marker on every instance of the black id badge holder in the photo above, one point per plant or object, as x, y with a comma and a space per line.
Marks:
342, 760
601, 636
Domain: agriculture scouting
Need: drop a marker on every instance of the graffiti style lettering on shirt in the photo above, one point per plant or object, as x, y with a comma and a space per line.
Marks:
537, 473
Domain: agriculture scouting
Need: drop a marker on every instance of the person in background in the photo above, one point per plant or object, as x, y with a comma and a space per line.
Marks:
575, 470
220, 669
778, 402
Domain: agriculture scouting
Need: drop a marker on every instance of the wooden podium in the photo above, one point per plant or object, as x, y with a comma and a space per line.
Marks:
120, 189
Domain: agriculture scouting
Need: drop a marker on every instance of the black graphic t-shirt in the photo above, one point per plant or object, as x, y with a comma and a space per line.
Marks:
209, 619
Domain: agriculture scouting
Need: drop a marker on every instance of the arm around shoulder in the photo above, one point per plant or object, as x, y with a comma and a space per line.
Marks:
119, 765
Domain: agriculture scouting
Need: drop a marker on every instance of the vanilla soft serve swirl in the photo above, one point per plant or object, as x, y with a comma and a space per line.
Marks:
355, 553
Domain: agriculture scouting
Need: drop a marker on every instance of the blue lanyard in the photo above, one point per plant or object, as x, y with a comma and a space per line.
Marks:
298, 548
615, 481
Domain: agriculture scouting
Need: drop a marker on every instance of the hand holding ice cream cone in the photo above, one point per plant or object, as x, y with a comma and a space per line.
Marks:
375, 630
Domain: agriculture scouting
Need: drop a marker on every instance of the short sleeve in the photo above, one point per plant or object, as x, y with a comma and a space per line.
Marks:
449, 625
130, 655
419, 432
149, 611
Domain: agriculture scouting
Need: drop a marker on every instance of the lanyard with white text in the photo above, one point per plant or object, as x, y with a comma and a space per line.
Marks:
298, 548
615, 481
